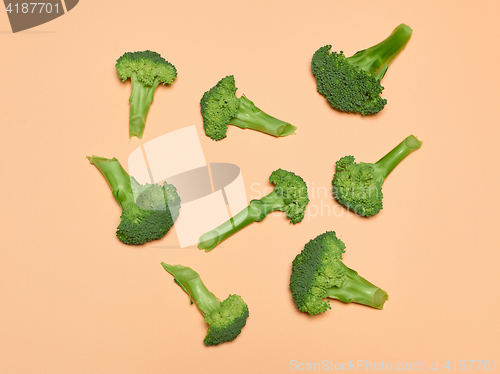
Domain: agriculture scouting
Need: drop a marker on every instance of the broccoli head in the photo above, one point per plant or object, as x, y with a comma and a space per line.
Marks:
358, 186
225, 319
318, 273
220, 107
352, 84
148, 211
146, 70
289, 196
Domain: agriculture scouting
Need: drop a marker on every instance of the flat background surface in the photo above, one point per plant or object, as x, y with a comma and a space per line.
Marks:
76, 300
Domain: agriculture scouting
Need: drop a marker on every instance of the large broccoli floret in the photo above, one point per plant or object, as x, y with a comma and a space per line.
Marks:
148, 212
220, 107
352, 84
359, 186
318, 273
289, 195
225, 319
147, 70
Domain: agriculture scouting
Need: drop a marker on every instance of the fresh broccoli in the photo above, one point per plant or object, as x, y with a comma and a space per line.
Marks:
289, 195
225, 319
147, 70
359, 186
148, 212
352, 84
220, 107
318, 273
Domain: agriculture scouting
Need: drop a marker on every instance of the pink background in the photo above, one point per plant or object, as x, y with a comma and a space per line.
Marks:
76, 300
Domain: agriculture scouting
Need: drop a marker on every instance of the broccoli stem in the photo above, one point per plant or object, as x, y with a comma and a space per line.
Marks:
358, 290
117, 177
251, 117
140, 101
211, 239
376, 59
256, 211
190, 281
386, 164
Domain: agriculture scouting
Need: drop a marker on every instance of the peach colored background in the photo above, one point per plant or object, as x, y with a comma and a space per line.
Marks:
76, 300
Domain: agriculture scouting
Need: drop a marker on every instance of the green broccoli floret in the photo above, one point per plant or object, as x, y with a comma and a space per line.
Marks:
289, 195
147, 70
318, 273
225, 319
220, 107
352, 84
148, 211
359, 186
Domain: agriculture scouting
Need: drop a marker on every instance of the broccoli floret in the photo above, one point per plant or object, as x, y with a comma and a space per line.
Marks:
359, 186
289, 195
352, 84
318, 273
220, 107
147, 70
225, 319
148, 211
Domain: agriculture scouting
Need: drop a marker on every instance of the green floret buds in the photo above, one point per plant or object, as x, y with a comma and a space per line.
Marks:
148, 211
352, 84
318, 273
225, 319
220, 107
289, 196
147, 70
358, 186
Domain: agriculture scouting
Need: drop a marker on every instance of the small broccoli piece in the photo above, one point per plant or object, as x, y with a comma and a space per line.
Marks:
148, 212
225, 319
318, 273
147, 70
220, 107
289, 195
352, 84
359, 186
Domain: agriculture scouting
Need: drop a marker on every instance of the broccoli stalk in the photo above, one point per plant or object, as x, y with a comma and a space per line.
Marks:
289, 195
318, 273
220, 107
140, 102
384, 166
146, 70
148, 212
225, 319
359, 186
375, 60
249, 116
118, 179
352, 84
358, 290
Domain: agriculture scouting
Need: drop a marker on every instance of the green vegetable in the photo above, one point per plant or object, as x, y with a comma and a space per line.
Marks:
359, 186
225, 319
318, 273
289, 195
147, 70
220, 107
352, 84
148, 212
